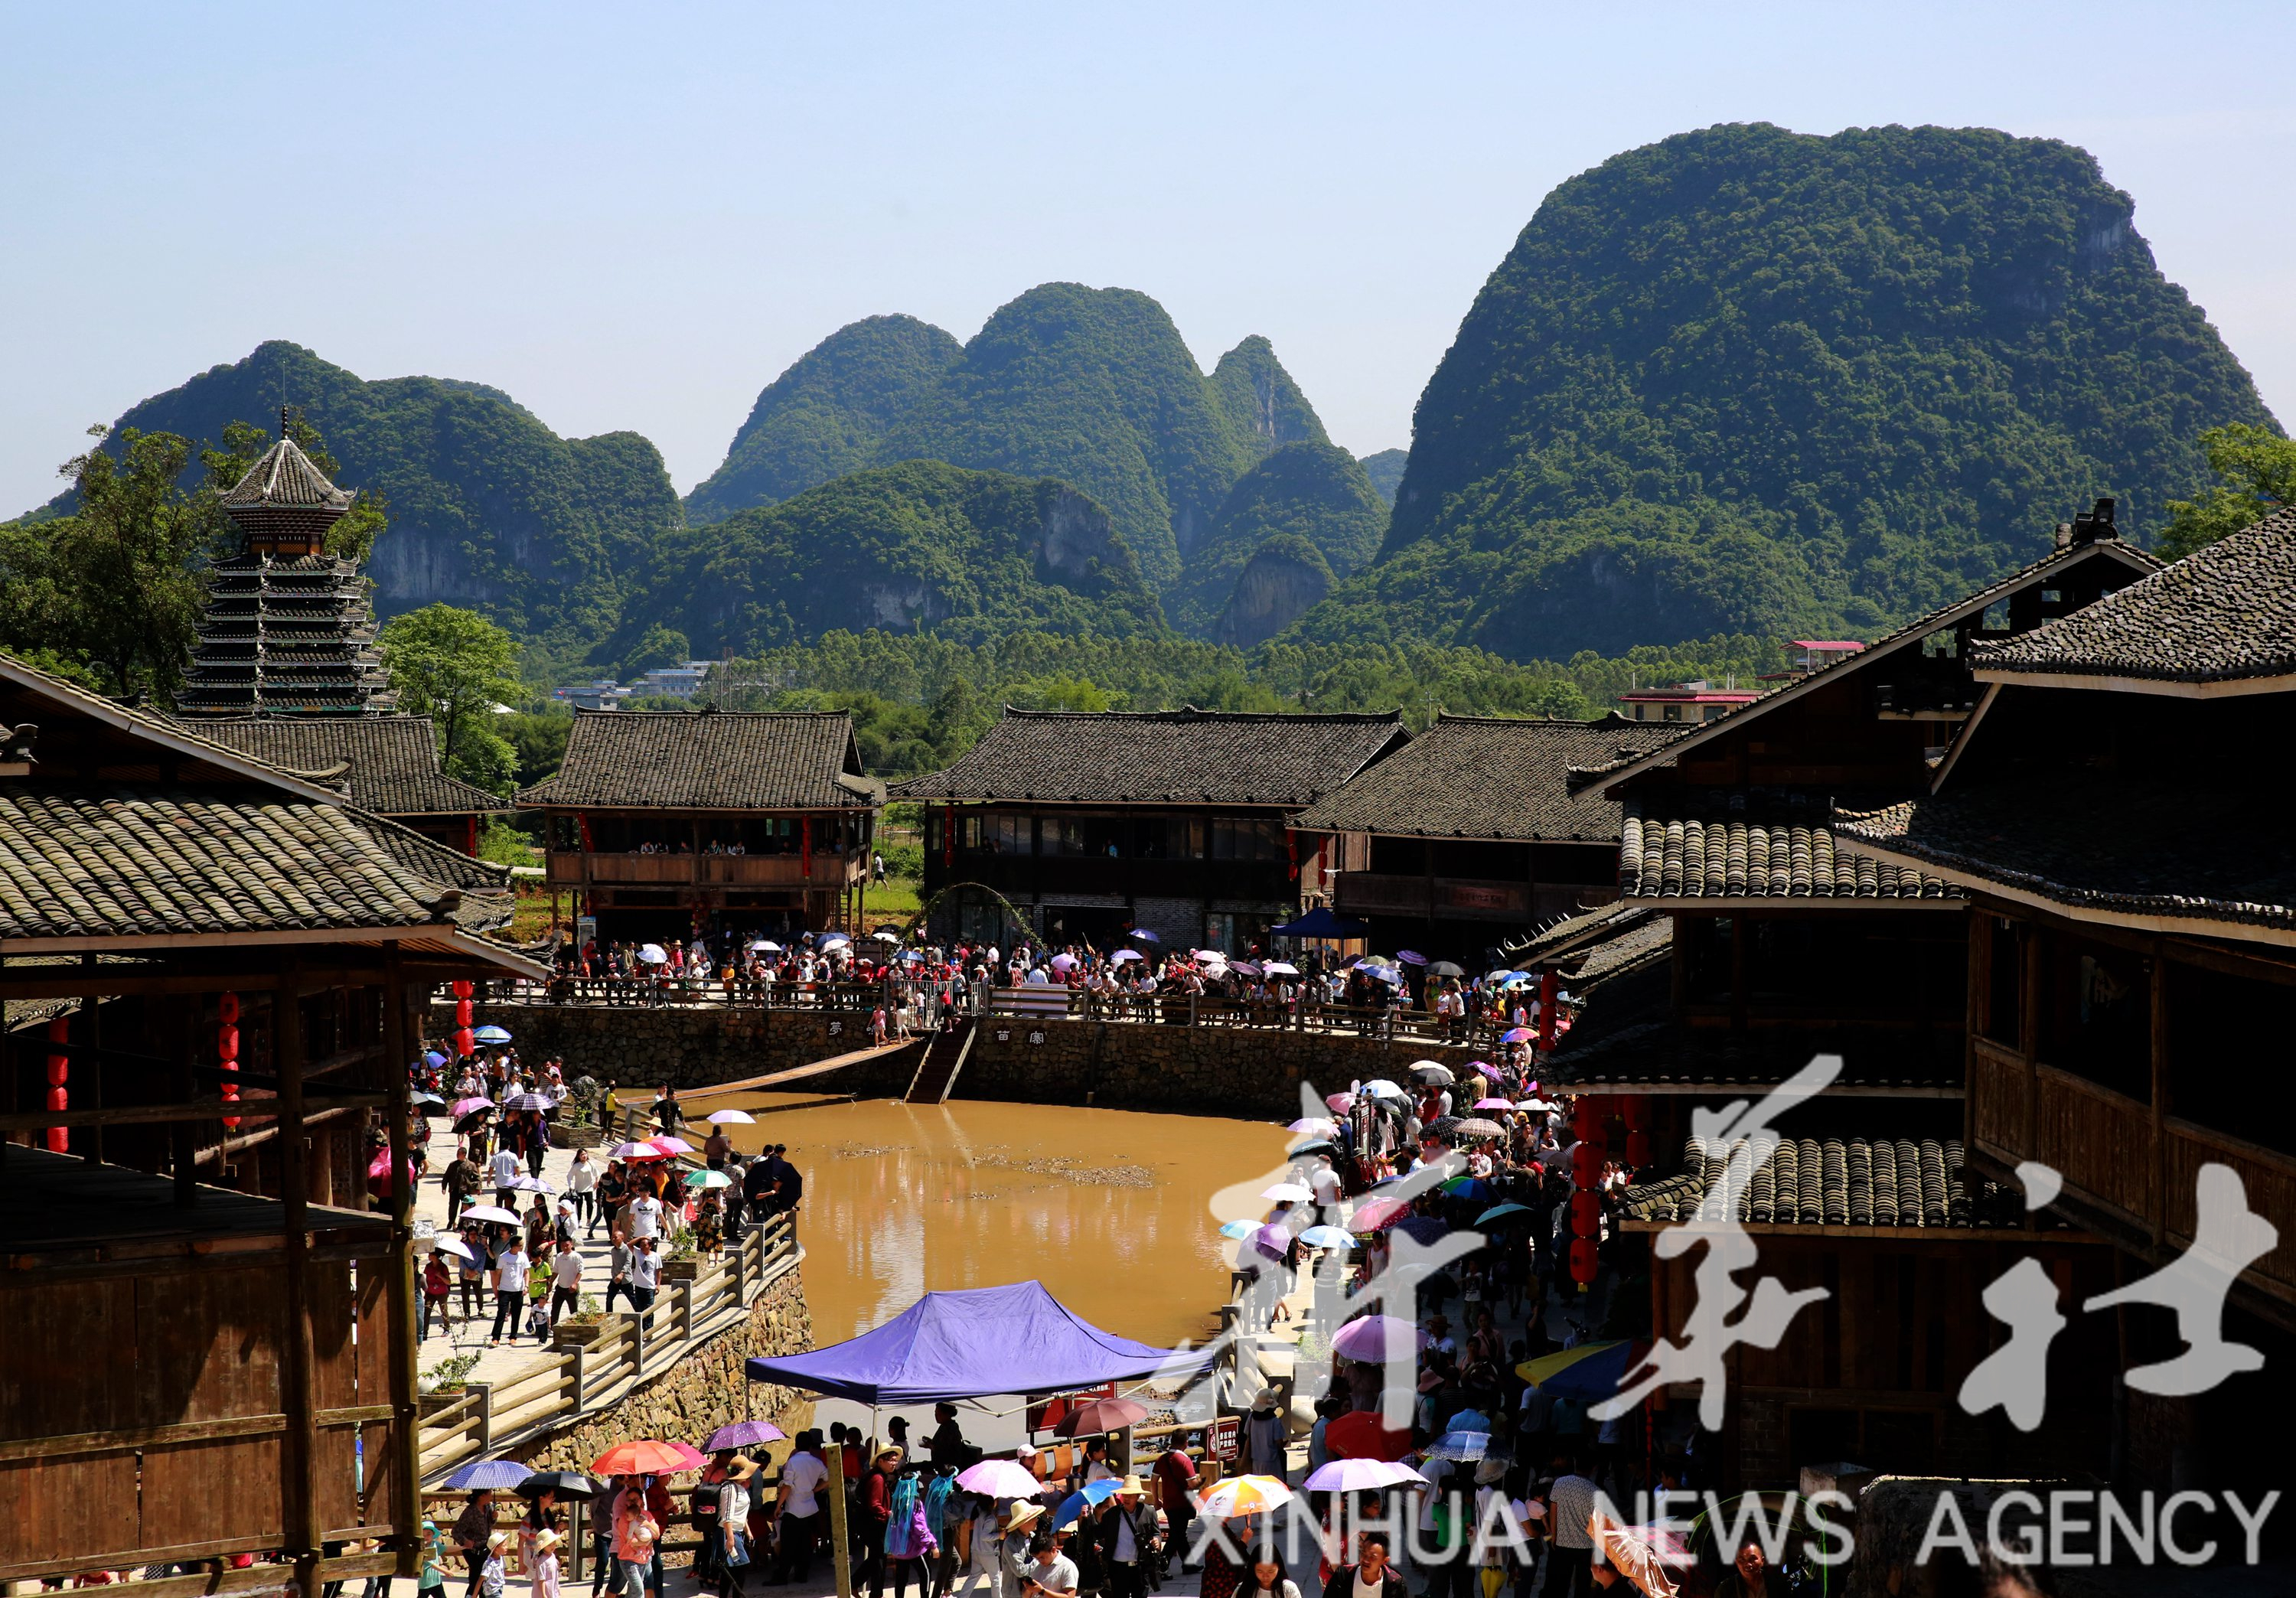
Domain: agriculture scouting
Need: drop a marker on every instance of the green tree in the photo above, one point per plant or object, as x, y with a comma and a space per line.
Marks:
660, 646
2259, 469
110, 590
454, 666
539, 738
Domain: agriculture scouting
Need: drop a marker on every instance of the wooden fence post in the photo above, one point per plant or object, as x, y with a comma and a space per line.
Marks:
841, 1546
581, 1393
485, 1391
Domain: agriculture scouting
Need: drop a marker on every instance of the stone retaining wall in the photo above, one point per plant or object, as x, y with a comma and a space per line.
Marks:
1115, 1065
706, 1390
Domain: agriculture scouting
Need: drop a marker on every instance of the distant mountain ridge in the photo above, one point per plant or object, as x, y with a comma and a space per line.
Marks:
1749, 380
1094, 386
489, 507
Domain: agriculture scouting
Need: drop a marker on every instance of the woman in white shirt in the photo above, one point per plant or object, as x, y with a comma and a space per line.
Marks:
582, 1184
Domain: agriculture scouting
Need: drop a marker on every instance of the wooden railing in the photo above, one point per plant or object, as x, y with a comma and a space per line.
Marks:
574, 1380
2269, 1175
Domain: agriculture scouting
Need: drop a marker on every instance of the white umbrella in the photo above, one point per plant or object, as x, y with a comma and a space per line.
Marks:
765, 946
1121, 955
835, 940
1289, 1192
1277, 968
1382, 1088
652, 955
534, 1185
453, 1245
1430, 1070
883, 937
489, 1212
1361, 1475
731, 1117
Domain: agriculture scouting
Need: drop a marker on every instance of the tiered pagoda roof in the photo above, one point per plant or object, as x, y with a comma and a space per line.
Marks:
289, 628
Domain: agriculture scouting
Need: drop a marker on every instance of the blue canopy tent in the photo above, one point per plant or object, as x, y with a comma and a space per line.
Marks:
969, 1344
1322, 923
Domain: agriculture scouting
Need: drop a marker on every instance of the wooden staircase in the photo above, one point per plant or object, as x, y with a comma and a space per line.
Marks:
944, 1058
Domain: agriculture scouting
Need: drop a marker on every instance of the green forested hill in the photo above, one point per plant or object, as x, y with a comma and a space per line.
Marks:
828, 414
489, 507
1385, 470
1315, 492
1751, 380
1092, 385
968, 554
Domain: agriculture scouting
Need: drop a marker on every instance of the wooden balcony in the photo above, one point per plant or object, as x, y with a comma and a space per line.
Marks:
1460, 898
572, 868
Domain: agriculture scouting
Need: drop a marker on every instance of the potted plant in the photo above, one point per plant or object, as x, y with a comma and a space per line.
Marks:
581, 1328
682, 1264
442, 1384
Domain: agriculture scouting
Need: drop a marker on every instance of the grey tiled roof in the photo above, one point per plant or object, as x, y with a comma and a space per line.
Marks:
393, 759
98, 860
1571, 932
2221, 613
709, 760
283, 481
2056, 561
1750, 843
2148, 845
1170, 756
1639, 1043
1474, 776
1839, 1181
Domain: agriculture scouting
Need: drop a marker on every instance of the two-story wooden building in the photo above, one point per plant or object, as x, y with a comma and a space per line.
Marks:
1471, 835
1784, 944
669, 823
207, 1334
384, 764
2112, 811
1090, 824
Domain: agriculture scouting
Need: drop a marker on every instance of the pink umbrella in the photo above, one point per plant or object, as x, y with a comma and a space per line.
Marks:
1494, 1103
1376, 1338
1339, 1103
635, 1150
1377, 1214
463, 1107
667, 1144
1487, 1067
1516, 1035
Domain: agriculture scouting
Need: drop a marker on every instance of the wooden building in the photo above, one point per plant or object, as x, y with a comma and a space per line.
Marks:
1472, 835
206, 1326
2113, 812
288, 629
384, 765
1781, 943
671, 823
1090, 824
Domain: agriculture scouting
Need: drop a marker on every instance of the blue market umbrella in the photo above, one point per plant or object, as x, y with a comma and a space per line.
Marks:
499, 1473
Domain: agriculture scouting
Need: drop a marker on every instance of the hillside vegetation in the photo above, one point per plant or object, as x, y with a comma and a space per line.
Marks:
1751, 380
1313, 497
923, 545
488, 508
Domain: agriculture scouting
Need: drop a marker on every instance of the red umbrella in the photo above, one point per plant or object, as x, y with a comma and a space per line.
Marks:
1359, 1434
1101, 1415
645, 1457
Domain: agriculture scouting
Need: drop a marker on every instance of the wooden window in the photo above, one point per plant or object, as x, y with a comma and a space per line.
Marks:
2096, 1013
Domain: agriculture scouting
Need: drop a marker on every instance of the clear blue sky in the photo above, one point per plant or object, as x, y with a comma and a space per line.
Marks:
635, 216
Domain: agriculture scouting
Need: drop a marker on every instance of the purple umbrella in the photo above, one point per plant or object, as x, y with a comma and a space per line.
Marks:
1273, 1240
1487, 1067
744, 1434
1373, 1337
1411, 956
1516, 1035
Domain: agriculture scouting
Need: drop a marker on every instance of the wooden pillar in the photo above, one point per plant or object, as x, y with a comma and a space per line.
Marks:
298, 1394
405, 1492
2157, 1168
840, 1544
184, 1014
91, 1010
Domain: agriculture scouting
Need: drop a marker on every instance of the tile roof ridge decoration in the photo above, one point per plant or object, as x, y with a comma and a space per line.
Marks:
163, 729
2225, 613
1890, 643
284, 476
1755, 843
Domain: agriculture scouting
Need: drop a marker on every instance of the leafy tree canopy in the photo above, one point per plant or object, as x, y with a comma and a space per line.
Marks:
2256, 469
1317, 492
454, 666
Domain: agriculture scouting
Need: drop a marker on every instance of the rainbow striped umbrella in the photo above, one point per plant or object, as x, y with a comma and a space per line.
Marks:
1241, 1495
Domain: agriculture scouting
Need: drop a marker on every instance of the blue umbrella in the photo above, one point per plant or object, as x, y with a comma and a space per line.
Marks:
489, 1473
1328, 1237
1239, 1230
434, 1058
1460, 1447
1144, 935
491, 1034
1500, 1212
1422, 1228
1469, 1420
1094, 1493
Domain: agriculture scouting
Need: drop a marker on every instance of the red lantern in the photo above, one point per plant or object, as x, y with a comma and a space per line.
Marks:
1582, 1261
228, 1009
227, 1052
1638, 1149
465, 1042
462, 1017
1586, 1116
462, 990
1585, 1164
59, 1095
1634, 1109
1586, 1214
